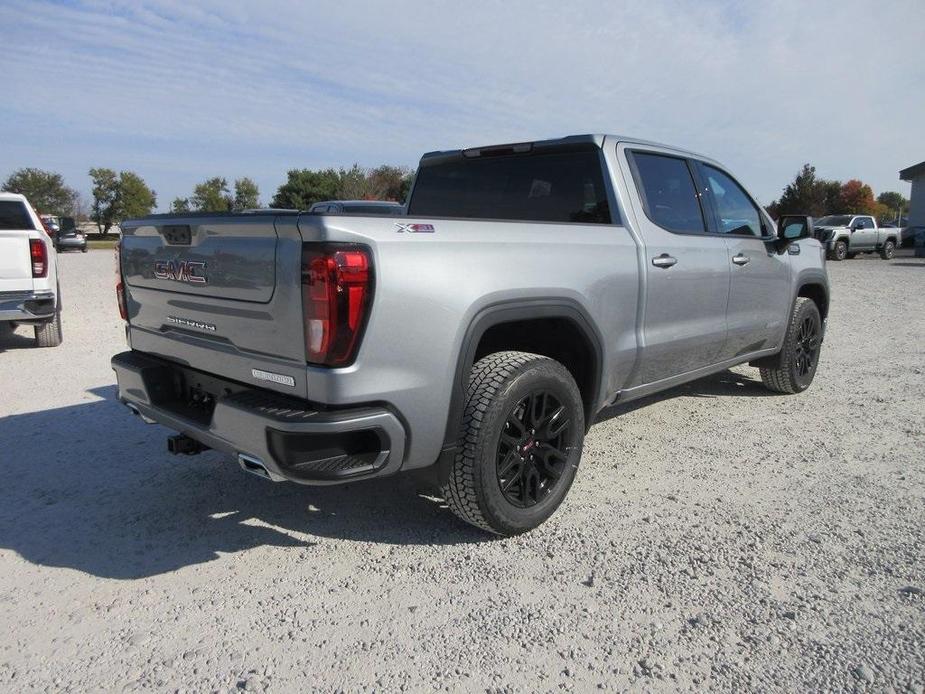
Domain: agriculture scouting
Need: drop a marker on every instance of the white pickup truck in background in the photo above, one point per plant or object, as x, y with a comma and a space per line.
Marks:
29, 291
846, 235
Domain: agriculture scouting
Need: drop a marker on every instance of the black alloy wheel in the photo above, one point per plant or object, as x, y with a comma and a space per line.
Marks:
533, 449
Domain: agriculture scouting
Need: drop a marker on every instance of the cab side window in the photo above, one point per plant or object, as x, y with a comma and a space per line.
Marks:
735, 211
864, 223
668, 192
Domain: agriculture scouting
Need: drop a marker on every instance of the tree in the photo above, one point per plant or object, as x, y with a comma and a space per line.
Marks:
305, 187
353, 184
180, 205
246, 194
117, 198
857, 198
45, 190
105, 198
805, 195
212, 195
833, 202
389, 182
135, 199
895, 203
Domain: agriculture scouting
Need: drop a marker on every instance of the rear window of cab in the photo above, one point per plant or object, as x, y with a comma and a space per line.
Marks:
14, 215
550, 186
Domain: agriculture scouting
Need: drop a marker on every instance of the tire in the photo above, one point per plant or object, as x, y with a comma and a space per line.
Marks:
839, 251
798, 359
888, 250
84, 249
49, 334
507, 478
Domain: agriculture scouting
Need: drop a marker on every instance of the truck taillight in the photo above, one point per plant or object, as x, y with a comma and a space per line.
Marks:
337, 287
39, 253
120, 288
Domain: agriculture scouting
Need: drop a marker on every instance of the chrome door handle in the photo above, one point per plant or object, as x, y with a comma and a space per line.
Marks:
664, 260
741, 259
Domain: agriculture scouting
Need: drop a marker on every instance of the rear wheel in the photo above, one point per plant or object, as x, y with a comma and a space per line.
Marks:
888, 250
49, 334
839, 251
797, 361
523, 430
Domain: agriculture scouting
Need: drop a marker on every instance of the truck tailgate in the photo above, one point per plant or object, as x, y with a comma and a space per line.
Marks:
218, 293
15, 262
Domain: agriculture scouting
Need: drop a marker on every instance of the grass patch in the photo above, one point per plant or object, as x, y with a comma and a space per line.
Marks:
97, 244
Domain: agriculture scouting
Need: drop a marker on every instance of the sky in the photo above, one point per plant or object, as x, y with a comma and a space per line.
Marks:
180, 91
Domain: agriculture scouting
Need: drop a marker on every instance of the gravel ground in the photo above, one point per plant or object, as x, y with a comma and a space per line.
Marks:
716, 536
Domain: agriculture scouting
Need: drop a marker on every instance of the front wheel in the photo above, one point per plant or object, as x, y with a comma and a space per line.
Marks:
796, 364
839, 251
888, 250
523, 429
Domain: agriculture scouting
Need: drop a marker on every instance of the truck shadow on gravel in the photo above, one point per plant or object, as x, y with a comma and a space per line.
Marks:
13, 340
91, 488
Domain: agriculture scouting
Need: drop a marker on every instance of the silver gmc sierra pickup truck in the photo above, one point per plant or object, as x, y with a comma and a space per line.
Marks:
846, 235
528, 287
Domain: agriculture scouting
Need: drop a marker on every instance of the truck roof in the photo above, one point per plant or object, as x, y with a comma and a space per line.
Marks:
567, 142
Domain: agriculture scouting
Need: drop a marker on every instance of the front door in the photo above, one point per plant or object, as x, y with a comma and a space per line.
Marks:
865, 233
759, 288
687, 270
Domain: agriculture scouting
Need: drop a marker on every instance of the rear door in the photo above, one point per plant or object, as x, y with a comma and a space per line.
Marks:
759, 290
15, 260
687, 269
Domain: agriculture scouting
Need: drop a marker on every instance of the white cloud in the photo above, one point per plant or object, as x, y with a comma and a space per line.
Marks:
180, 91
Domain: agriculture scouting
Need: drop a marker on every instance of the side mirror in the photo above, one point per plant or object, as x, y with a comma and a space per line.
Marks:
792, 227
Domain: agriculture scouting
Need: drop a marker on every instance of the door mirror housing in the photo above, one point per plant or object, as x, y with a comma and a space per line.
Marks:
792, 227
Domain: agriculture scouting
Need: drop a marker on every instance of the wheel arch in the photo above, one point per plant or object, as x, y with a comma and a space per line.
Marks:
524, 325
818, 293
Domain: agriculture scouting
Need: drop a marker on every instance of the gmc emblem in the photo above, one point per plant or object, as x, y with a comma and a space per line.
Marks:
189, 271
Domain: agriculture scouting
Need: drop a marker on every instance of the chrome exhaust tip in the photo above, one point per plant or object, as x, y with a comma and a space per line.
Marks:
254, 466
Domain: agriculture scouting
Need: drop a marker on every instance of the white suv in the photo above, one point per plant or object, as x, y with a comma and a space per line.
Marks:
29, 292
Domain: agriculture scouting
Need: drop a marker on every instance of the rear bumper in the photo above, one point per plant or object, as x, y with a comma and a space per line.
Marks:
68, 243
26, 306
292, 439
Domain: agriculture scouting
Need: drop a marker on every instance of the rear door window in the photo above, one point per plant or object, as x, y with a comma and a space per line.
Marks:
14, 215
668, 193
539, 186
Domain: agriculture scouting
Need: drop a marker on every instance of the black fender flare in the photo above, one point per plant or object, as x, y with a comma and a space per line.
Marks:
518, 310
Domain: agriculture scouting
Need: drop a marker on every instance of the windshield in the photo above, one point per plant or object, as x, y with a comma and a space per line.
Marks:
834, 220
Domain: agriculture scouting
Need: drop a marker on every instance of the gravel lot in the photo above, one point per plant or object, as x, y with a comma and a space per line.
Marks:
717, 535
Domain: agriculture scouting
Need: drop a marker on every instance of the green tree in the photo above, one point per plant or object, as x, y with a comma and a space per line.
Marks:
304, 187
136, 199
105, 198
45, 190
353, 184
180, 205
857, 198
389, 182
406, 181
896, 203
117, 198
833, 201
246, 194
805, 195
212, 195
